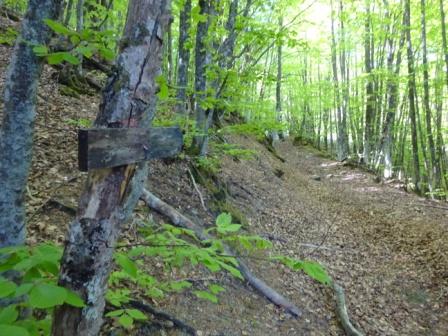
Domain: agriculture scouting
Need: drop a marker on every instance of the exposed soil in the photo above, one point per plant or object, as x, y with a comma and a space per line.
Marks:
387, 248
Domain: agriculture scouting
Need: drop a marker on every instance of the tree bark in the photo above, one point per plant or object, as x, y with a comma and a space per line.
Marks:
111, 194
200, 85
184, 57
16, 133
411, 95
434, 171
370, 99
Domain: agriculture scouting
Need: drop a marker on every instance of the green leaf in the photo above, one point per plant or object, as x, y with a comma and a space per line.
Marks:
224, 219
127, 265
136, 314
179, 285
115, 313
74, 300
155, 292
11, 330
58, 27
232, 270
71, 59
108, 54
47, 296
85, 51
6, 287
229, 228
215, 289
126, 321
55, 58
75, 39
40, 50
316, 271
163, 89
206, 295
9, 314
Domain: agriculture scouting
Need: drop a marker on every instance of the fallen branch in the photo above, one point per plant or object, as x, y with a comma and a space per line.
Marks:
180, 220
165, 316
341, 310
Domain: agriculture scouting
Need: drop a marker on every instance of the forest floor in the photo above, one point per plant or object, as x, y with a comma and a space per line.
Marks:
386, 247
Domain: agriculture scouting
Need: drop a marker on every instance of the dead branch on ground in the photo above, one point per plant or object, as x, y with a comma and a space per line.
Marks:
180, 220
341, 310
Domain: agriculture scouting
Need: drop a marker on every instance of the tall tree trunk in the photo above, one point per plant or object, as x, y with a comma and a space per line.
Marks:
392, 85
444, 39
278, 87
184, 57
345, 79
169, 43
342, 146
16, 133
434, 166
411, 95
111, 194
370, 99
201, 62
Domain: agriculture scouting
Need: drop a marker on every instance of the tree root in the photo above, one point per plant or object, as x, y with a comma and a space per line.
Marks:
165, 316
180, 220
341, 310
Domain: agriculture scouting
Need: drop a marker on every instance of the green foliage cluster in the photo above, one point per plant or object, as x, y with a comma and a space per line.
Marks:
256, 128
32, 299
86, 43
9, 36
16, 5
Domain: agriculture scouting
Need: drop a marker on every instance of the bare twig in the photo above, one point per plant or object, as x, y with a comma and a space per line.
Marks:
197, 190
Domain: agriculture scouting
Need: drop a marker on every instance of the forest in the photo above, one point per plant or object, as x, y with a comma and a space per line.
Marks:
223, 167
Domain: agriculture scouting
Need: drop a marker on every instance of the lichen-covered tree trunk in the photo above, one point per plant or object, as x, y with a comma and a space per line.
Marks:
16, 133
110, 195
200, 84
184, 57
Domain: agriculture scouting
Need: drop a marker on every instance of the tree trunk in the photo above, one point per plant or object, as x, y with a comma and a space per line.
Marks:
16, 133
370, 112
434, 166
200, 85
411, 96
184, 58
386, 140
111, 194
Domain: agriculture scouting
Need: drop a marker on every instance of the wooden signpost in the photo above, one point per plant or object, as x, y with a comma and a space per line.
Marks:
111, 147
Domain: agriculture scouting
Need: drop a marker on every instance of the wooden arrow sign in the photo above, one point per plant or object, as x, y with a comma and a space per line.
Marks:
111, 147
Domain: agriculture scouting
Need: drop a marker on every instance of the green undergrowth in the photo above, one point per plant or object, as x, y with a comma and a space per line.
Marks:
36, 269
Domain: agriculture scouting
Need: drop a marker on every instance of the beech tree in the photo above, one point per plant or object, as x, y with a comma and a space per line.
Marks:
19, 113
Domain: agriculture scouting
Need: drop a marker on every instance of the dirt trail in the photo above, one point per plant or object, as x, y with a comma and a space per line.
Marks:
388, 248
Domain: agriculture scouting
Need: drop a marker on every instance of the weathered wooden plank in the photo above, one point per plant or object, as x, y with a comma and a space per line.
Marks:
111, 147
